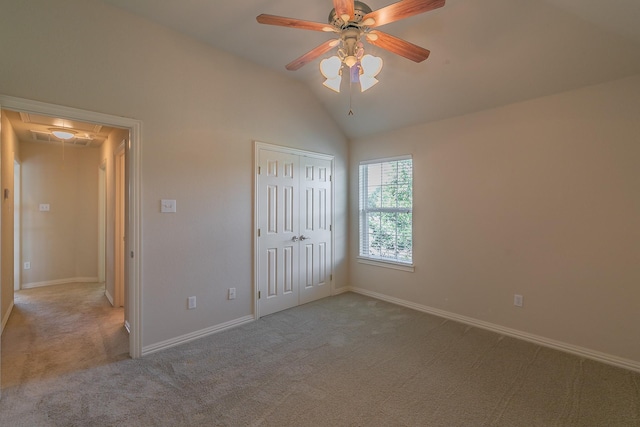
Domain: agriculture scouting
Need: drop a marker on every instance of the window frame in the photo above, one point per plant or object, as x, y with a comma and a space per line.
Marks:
364, 210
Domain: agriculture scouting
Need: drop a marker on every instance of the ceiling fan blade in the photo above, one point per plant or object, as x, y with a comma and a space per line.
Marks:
293, 23
399, 46
311, 55
344, 7
400, 10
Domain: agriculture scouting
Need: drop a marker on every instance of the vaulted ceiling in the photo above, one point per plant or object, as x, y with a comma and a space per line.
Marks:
484, 53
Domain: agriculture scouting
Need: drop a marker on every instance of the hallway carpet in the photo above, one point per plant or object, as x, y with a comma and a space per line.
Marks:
343, 361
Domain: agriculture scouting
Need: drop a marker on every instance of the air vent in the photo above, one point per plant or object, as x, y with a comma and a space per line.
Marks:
41, 136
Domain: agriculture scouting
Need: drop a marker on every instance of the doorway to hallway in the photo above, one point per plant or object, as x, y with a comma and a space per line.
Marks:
132, 266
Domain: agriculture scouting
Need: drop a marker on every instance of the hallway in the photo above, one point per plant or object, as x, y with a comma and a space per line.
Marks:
59, 329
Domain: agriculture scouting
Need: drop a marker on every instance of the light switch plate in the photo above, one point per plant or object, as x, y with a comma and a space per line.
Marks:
167, 206
517, 300
44, 207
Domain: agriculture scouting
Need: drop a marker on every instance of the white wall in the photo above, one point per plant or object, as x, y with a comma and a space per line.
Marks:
60, 244
540, 198
200, 110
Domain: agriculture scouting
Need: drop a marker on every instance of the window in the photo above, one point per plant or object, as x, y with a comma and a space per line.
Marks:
386, 218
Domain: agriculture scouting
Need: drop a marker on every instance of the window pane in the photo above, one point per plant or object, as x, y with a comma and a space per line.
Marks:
404, 239
374, 225
389, 196
404, 198
374, 197
386, 198
387, 235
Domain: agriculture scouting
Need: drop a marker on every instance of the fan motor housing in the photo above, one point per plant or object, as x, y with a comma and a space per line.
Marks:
360, 10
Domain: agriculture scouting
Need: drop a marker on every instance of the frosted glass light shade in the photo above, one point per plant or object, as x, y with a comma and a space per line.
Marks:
366, 82
333, 84
330, 69
371, 67
62, 134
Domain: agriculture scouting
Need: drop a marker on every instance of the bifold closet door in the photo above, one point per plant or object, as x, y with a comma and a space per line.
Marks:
315, 227
294, 230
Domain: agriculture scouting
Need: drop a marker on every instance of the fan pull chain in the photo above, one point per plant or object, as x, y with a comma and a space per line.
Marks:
350, 98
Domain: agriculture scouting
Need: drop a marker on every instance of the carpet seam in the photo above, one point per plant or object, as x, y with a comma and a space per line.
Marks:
515, 386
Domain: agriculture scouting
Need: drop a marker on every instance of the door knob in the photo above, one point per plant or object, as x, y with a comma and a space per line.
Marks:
295, 238
303, 237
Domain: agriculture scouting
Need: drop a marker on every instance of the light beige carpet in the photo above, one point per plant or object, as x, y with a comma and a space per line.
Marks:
342, 361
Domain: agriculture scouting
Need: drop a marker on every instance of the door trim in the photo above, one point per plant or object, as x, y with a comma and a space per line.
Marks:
119, 245
17, 224
134, 215
102, 223
256, 159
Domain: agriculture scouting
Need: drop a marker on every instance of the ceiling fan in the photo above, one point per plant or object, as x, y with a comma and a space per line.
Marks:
353, 21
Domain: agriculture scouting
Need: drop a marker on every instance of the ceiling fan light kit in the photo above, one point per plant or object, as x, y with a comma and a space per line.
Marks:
353, 21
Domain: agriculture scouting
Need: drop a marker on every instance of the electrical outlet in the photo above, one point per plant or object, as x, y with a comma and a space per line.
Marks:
231, 294
517, 300
27, 265
191, 303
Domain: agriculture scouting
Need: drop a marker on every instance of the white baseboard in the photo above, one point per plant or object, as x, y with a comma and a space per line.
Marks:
195, 335
60, 282
109, 297
5, 319
536, 339
340, 291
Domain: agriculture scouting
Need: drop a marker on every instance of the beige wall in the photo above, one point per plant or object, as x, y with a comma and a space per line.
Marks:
61, 244
9, 151
200, 110
540, 198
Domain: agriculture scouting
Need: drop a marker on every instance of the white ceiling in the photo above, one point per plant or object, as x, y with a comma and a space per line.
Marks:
484, 53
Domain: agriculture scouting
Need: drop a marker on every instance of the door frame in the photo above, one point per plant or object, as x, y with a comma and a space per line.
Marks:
102, 223
119, 244
256, 256
134, 190
17, 221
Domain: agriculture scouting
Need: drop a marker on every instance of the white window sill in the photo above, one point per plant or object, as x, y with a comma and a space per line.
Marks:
387, 264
